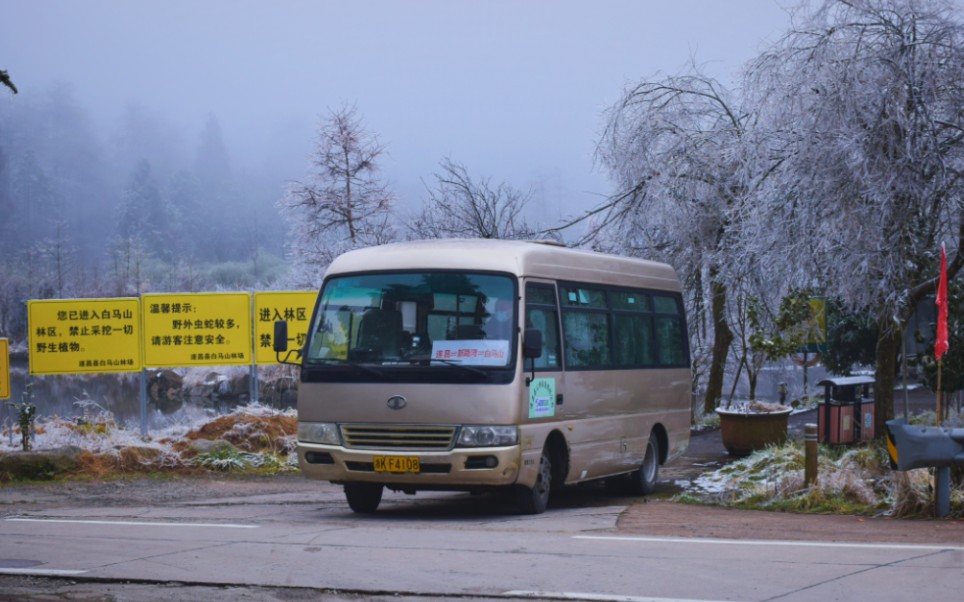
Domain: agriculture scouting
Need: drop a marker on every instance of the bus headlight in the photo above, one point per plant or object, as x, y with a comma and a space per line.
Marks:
488, 436
319, 432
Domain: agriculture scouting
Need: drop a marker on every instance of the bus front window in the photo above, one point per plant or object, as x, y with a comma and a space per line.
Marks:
415, 319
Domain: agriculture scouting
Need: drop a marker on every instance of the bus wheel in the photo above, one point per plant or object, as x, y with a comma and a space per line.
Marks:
533, 500
363, 498
643, 480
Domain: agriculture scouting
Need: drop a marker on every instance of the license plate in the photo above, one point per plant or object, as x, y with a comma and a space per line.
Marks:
397, 464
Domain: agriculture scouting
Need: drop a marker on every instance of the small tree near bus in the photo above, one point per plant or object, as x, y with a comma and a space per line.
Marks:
768, 338
342, 204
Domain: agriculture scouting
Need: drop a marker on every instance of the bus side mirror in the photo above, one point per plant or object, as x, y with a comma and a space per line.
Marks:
532, 343
280, 336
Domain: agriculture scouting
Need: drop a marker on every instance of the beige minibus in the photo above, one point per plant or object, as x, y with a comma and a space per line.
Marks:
472, 365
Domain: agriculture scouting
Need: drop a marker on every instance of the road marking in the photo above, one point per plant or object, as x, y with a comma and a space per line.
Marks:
41, 572
595, 597
128, 523
776, 542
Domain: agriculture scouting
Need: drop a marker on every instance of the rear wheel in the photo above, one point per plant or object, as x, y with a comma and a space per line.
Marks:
643, 480
533, 500
363, 498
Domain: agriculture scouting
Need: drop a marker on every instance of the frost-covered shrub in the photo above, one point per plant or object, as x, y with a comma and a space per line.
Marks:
253, 437
853, 480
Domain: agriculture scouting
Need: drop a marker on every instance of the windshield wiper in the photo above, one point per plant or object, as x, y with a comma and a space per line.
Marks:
462, 366
356, 365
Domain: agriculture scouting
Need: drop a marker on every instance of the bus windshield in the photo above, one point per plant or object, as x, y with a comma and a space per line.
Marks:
404, 319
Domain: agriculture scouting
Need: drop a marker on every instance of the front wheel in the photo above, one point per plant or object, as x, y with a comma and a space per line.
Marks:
363, 498
643, 480
533, 500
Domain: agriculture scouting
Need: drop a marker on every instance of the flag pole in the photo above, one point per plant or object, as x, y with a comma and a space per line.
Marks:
940, 414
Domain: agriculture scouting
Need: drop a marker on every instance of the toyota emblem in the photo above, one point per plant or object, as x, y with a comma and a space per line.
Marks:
397, 402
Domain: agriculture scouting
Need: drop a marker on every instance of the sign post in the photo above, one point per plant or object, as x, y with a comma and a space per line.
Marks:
4, 369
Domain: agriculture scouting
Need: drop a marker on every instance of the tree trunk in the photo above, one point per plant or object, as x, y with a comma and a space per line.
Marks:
888, 346
722, 338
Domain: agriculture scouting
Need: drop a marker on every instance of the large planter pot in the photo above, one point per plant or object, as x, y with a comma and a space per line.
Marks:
746, 431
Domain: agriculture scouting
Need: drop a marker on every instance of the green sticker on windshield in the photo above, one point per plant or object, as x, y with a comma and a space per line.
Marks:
542, 398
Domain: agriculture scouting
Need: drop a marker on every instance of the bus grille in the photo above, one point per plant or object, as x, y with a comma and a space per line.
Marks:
415, 437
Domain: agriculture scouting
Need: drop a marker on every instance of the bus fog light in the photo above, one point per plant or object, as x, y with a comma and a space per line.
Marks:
488, 436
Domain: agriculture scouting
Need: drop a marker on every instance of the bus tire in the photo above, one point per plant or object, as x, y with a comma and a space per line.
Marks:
535, 499
363, 498
643, 480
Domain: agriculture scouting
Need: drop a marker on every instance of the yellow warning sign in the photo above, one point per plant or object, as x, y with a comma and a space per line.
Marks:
4, 369
196, 329
293, 307
816, 326
78, 336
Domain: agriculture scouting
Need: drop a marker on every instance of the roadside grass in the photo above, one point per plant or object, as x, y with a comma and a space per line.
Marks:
253, 439
259, 440
854, 480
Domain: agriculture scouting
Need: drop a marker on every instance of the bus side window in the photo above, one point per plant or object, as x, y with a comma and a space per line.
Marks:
541, 314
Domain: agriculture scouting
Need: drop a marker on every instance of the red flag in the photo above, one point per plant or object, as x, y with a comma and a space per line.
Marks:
941, 344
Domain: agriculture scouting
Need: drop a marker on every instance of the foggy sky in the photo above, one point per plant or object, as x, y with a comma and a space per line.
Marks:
512, 89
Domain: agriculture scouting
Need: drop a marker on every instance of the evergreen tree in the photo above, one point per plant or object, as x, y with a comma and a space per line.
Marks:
145, 216
184, 193
212, 165
34, 208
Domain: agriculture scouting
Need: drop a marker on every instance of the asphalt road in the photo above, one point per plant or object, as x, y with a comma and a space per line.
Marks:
301, 542
285, 538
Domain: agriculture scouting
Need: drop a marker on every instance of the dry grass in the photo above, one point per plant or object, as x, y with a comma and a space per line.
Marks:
263, 437
251, 433
851, 480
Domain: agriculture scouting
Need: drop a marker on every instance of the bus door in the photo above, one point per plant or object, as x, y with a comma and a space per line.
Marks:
547, 391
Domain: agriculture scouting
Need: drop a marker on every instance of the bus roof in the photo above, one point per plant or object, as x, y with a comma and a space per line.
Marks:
522, 258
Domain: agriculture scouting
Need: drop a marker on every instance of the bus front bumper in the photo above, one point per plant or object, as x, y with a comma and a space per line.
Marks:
457, 469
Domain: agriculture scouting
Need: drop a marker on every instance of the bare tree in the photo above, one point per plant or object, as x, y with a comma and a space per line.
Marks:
343, 204
459, 207
861, 107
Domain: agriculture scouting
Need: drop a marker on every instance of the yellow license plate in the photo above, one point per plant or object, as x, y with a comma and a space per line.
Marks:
397, 464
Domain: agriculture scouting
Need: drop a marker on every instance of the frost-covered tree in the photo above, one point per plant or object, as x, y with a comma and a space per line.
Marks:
212, 165
13, 319
460, 207
145, 215
57, 261
192, 228
343, 204
145, 134
72, 155
674, 148
127, 258
34, 209
862, 106
54, 131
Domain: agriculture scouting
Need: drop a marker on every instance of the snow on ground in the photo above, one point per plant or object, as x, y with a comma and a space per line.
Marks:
250, 436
